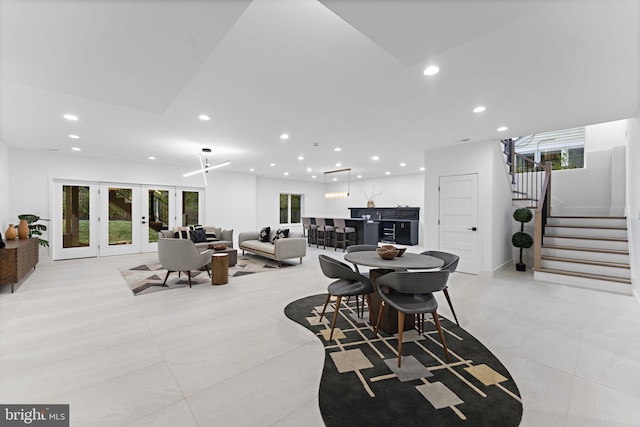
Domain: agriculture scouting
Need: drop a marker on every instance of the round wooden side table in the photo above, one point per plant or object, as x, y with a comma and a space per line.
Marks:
219, 269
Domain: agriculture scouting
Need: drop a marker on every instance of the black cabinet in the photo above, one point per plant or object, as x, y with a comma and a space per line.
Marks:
406, 232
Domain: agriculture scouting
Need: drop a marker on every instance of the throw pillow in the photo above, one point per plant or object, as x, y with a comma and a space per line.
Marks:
198, 236
182, 233
281, 233
264, 234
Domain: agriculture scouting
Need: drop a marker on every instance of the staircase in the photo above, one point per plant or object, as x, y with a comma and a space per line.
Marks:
589, 252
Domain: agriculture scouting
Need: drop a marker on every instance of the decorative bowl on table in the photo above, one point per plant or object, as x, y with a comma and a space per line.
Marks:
219, 246
401, 251
387, 252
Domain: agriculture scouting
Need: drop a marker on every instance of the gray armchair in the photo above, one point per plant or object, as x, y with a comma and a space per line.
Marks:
182, 255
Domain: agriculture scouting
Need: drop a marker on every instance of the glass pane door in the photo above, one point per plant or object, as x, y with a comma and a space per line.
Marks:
190, 207
76, 217
120, 219
160, 214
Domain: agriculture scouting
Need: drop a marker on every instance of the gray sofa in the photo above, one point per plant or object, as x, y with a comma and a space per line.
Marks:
222, 236
294, 246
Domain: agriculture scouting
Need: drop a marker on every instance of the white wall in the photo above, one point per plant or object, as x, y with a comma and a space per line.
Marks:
632, 208
605, 136
5, 194
267, 200
603, 175
494, 198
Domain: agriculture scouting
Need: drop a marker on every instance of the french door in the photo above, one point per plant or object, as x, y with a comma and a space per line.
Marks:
459, 220
100, 219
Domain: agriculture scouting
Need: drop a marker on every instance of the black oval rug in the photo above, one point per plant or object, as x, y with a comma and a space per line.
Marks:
362, 386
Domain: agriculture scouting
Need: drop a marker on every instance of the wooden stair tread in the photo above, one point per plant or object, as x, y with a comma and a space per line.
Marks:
585, 261
589, 227
585, 275
587, 217
609, 239
578, 248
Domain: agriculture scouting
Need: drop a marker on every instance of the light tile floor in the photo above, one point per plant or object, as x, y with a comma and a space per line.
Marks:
227, 356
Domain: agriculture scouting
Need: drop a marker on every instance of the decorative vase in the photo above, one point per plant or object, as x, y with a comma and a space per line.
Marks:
11, 233
370, 204
23, 229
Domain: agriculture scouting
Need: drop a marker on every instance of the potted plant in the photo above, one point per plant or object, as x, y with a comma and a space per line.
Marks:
521, 239
35, 229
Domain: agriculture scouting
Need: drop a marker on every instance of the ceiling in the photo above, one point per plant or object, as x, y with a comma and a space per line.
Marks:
330, 73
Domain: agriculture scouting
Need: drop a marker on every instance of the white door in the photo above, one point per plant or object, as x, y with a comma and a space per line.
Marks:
120, 219
158, 213
459, 220
74, 231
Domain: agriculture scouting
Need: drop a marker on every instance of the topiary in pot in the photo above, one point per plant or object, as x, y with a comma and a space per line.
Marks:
521, 239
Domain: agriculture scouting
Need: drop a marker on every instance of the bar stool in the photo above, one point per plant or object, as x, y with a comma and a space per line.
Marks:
323, 232
341, 228
309, 228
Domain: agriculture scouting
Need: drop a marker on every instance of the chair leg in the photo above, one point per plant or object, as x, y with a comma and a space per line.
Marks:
189, 274
165, 278
444, 343
335, 317
380, 310
400, 328
446, 294
368, 296
208, 272
325, 305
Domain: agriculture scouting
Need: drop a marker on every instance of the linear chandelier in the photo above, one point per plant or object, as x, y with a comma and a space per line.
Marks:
205, 166
338, 194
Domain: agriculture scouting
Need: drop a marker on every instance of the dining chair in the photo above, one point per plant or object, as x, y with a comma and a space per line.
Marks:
309, 228
342, 229
450, 264
326, 231
349, 283
182, 255
412, 294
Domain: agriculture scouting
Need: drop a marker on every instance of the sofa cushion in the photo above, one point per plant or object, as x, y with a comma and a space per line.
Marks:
213, 233
182, 233
264, 234
259, 247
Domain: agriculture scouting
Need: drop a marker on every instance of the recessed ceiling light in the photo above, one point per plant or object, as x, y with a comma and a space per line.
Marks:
75, 148
388, 173
431, 70
74, 136
151, 158
308, 169
70, 117
337, 149
314, 177
338, 164
204, 117
335, 179
479, 109
284, 136
422, 168
300, 157
272, 164
375, 158
286, 173
359, 176
502, 128
403, 164
251, 169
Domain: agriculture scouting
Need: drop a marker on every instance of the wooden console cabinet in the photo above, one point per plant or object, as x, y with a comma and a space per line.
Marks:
17, 259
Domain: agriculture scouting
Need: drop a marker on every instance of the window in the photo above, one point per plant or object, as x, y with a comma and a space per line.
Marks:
290, 208
564, 149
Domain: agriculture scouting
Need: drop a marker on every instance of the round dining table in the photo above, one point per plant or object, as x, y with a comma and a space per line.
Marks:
408, 261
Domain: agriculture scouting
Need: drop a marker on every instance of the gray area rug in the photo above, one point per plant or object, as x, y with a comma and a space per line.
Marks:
148, 278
